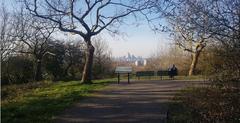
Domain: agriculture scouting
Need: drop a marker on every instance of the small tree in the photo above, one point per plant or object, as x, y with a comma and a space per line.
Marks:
33, 37
73, 56
54, 64
86, 18
102, 58
225, 16
68, 56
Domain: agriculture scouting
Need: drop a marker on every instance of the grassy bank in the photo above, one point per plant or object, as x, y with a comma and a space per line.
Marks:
206, 105
39, 103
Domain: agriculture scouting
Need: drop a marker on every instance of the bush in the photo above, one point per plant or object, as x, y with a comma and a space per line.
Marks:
66, 63
223, 66
207, 105
17, 69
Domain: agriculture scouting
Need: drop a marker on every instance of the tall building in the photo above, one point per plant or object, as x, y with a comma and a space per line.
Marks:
144, 62
138, 63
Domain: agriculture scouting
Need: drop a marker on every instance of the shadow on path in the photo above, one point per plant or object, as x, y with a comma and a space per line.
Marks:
138, 102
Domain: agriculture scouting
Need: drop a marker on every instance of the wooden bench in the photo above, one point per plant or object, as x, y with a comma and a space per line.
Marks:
144, 73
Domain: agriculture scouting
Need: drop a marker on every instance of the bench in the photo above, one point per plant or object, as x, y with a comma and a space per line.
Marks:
144, 73
123, 70
162, 73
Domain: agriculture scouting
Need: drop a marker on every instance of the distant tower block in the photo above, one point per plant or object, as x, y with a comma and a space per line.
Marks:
137, 63
140, 63
144, 62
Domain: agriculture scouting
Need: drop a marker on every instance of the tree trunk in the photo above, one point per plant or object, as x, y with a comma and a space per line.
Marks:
194, 63
87, 71
38, 72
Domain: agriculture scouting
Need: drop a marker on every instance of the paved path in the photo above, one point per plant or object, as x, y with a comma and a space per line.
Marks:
138, 102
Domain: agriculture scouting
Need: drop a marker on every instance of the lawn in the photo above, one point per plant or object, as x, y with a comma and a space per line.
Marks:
24, 104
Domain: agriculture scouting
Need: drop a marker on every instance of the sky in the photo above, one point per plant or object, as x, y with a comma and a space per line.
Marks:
138, 40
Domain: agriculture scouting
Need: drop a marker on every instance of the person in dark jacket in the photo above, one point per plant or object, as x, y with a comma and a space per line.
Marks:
172, 71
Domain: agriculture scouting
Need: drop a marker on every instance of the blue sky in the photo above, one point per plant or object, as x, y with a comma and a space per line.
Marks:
138, 40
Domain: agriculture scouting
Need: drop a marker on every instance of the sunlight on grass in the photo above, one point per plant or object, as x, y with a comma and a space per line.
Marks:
41, 104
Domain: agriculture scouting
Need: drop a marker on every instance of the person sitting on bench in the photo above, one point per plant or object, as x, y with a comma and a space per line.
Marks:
172, 71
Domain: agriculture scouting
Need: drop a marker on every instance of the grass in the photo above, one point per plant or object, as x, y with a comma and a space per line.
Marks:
206, 105
40, 104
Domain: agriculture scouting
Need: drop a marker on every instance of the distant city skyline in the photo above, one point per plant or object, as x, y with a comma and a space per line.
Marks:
129, 57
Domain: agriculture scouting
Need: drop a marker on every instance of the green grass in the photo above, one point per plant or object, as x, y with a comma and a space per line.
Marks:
40, 104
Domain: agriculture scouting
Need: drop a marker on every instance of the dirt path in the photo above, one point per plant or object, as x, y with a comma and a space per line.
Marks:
138, 102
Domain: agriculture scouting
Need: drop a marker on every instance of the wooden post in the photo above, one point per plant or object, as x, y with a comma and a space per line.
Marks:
118, 78
128, 79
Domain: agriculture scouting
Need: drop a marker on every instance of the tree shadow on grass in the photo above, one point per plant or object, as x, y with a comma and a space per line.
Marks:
40, 106
38, 109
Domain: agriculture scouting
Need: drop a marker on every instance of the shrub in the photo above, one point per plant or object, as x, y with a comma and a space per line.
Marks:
207, 105
17, 69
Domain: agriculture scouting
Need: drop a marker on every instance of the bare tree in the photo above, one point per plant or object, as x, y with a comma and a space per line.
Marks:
225, 15
86, 18
33, 37
197, 23
6, 31
209, 21
102, 57
185, 19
